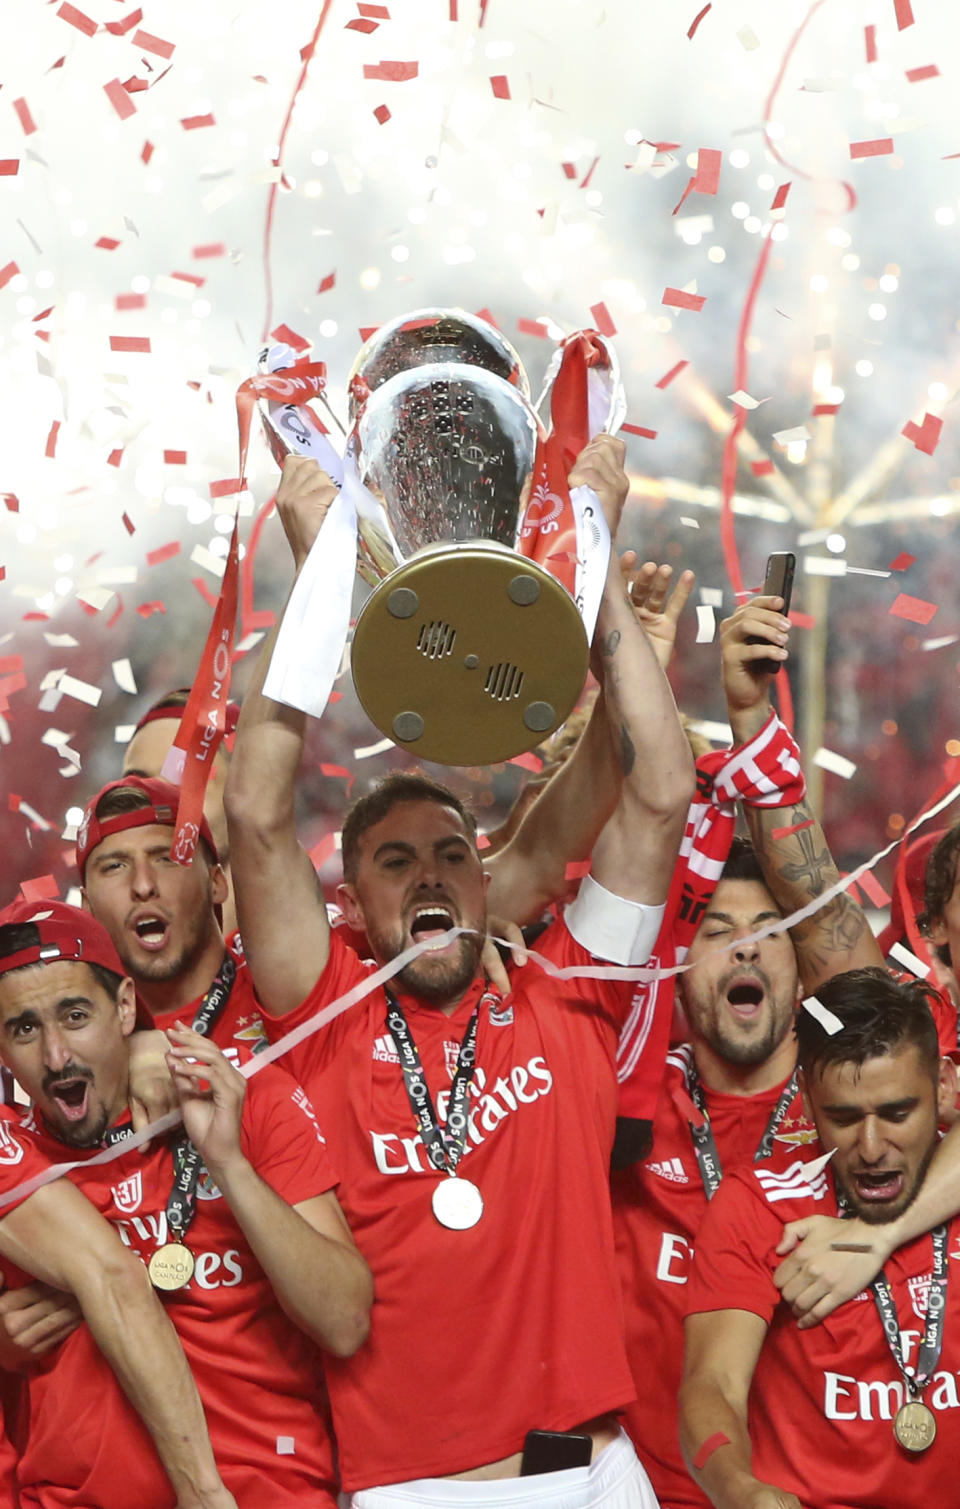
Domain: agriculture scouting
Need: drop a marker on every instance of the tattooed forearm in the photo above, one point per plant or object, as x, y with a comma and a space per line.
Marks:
608, 645
628, 755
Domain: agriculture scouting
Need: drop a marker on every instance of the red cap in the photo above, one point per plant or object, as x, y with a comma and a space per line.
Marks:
65, 932
175, 714
916, 870
164, 798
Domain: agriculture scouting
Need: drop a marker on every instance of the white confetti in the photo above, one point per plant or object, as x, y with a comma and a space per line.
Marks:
95, 597
201, 556
373, 749
907, 959
690, 523
82, 691
744, 401
61, 641
124, 732
939, 644
286, 1446
865, 571
837, 764
824, 565
249, 641
792, 437
712, 597
123, 676
814, 536
748, 38
822, 1014
52, 679
706, 624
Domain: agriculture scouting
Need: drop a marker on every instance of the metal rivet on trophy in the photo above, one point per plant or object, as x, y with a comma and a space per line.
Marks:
466, 652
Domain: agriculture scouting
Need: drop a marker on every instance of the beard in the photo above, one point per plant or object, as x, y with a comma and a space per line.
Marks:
199, 928
433, 980
879, 1213
745, 1046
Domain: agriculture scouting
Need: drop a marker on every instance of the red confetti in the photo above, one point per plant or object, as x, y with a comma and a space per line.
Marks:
6, 273
76, 18
146, 609
675, 371
210, 249
189, 277
24, 117
382, 114
394, 73
902, 562
870, 40
528, 761
153, 44
128, 523
706, 180
532, 327
325, 284
917, 75
195, 122
115, 457
284, 333
129, 343
9, 167
577, 868
762, 468
209, 597
882, 146
175, 458
485, 314
926, 436
226, 487
585, 180
780, 197
323, 850
825, 408
904, 14
50, 449
602, 320
872, 888
637, 429
163, 553
107, 243
146, 152
569, 169
39, 889
379, 11
795, 828
133, 85
367, 330
691, 30
125, 301
912, 608
120, 100
120, 28
359, 24
11, 502
675, 298
500, 85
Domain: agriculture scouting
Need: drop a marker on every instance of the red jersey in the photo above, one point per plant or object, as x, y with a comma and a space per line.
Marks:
476, 1336
238, 1030
823, 1401
257, 1374
658, 1206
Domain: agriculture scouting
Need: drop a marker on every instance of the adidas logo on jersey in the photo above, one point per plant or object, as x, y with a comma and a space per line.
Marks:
799, 1179
384, 1050
670, 1168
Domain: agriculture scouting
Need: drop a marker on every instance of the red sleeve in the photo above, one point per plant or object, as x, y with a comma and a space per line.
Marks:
731, 1268
609, 1000
343, 970
20, 1160
945, 1016
282, 1139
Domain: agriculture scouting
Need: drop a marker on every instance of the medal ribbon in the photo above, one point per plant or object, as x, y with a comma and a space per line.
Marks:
929, 1353
701, 1133
444, 1150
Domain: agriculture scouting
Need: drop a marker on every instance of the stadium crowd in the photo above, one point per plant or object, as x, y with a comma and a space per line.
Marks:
655, 1204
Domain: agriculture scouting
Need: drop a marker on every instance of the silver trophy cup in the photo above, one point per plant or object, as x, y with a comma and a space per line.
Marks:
466, 652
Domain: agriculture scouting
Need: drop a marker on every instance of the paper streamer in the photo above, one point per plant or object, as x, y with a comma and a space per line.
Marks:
823, 1015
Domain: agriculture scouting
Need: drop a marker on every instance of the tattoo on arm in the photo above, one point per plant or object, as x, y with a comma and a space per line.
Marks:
628, 754
608, 646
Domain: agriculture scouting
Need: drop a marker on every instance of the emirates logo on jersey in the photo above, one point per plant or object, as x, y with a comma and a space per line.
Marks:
920, 1294
128, 1194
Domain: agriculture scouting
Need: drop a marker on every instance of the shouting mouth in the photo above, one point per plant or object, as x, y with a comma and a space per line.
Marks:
745, 997
151, 932
431, 921
878, 1186
71, 1096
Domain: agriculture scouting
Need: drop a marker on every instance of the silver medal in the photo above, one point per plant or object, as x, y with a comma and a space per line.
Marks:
457, 1203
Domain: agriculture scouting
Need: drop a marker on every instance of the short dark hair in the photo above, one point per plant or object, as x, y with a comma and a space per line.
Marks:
742, 862
399, 786
15, 936
117, 800
938, 884
880, 1015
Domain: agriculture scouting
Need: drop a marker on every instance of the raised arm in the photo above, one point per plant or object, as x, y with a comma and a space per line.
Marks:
798, 866
58, 1237
277, 891
720, 1355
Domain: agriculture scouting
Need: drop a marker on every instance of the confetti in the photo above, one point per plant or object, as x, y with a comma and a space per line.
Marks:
780, 198
500, 85
689, 523
369, 750
107, 243
163, 553
824, 565
675, 371
95, 598
837, 764
939, 644
150, 43
706, 179
126, 301
120, 28
602, 320
691, 30
362, 23
779, 833
880, 147
201, 556
748, 38
24, 117
395, 73
677, 298
6, 273
820, 1013
902, 562
637, 429
744, 401
530, 327
77, 18
114, 459
9, 167
909, 961
870, 43
712, 596
81, 691
904, 14
872, 889
925, 436
914, 609
146, 610
39, 889
128, 523
762, 468
123, 676
50, 449
120, 100
793, 436
706, 624
197, 122
917, 75
129, 343
327, 283
175, 458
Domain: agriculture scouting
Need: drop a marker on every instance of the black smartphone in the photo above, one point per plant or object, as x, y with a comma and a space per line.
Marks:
778, 582
554, 1451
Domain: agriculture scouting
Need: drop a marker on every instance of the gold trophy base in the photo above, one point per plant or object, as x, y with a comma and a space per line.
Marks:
469, 654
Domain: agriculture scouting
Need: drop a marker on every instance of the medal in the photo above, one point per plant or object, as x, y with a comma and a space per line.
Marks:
915, 1426
457, 1204
171, 1266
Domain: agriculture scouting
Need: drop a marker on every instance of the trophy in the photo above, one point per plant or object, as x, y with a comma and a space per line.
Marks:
472, 647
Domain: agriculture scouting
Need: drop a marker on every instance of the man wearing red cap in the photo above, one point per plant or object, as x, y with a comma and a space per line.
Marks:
234, 1218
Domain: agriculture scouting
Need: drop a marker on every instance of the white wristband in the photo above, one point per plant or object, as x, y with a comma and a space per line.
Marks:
610, 927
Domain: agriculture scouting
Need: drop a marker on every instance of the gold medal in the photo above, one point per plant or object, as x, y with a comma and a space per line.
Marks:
171, 1266
915, 1426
